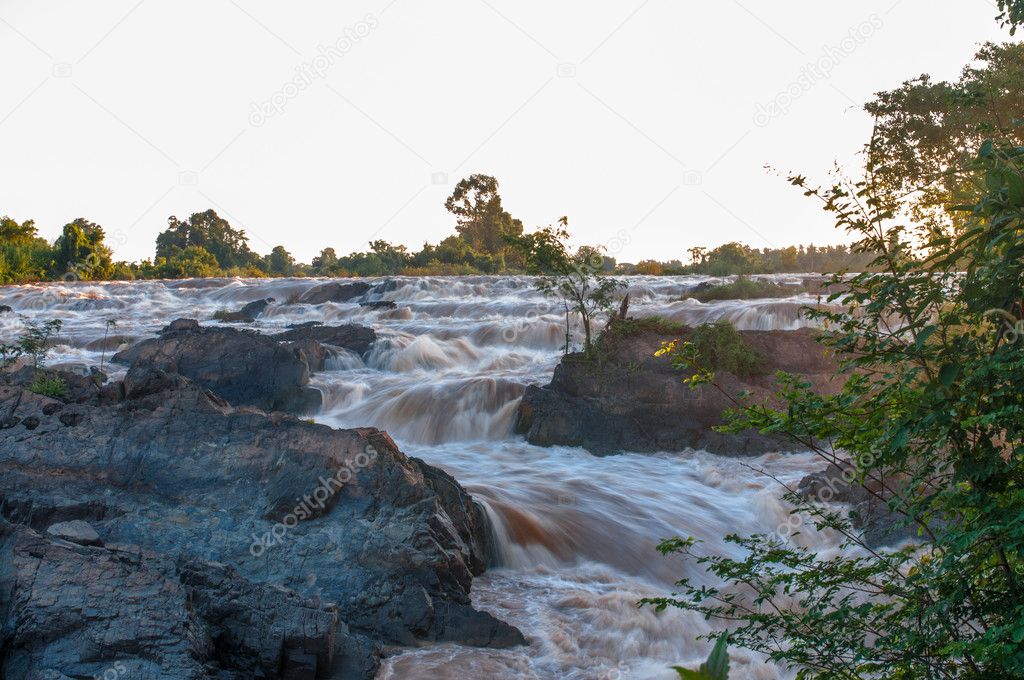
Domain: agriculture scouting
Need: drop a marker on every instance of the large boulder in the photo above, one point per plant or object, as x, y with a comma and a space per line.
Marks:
625, 399
234, 543
247, 314
868, 501
245, 368
352, 337
334, 291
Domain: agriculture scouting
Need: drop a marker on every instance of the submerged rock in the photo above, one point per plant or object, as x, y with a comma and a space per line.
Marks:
626, 399
236, 544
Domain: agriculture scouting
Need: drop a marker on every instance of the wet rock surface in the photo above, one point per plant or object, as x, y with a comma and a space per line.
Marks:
246, 368
868, 502
629, 400
173, 536
247, 314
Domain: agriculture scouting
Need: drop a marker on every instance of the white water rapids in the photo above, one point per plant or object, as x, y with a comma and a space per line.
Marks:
578, 532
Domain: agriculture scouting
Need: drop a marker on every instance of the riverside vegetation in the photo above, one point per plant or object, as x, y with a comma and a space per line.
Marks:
928, 419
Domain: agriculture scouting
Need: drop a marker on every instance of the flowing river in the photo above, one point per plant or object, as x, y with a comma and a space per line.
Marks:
577, 532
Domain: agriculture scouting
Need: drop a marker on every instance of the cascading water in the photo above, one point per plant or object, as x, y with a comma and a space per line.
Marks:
576, 533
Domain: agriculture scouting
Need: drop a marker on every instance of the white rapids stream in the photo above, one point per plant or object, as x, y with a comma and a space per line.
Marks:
577, 532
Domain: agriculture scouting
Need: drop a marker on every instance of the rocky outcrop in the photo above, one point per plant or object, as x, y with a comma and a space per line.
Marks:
626, 399
868, 502
334, 291
168, 534
247, 314
346, 291
354, 338
246, 368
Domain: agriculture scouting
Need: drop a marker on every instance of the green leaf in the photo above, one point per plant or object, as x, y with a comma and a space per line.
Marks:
948, 373
687, 674
717, 666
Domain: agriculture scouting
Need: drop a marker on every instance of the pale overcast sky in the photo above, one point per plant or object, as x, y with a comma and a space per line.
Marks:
647, 122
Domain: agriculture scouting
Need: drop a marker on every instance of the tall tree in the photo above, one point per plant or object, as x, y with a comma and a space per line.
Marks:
577, 279
482, 221
280, 261
927, 132
211, 232
80, 253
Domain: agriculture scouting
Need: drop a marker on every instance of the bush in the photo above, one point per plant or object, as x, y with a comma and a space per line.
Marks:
49, 386
724, 349
744, 288
649, 324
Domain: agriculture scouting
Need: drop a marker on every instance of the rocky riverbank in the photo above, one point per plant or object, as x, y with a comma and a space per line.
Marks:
623, 398
151, 529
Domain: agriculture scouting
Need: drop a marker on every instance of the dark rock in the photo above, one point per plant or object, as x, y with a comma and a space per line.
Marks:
334, 291
868, 502
246, 314
626, 399
76, 531
78, 388
6, 309
108, 343
354, 338
181, 325
30, 423
237, 544
71, 418
92, 611
379, 304
246, 369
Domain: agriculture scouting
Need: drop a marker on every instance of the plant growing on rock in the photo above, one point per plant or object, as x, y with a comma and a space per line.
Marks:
49, 386
34, 342
928, 421
575, 278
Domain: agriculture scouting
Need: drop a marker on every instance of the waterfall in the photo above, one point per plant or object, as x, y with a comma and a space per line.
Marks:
574, 535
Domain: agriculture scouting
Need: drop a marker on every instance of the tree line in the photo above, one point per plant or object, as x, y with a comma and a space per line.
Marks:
206, 245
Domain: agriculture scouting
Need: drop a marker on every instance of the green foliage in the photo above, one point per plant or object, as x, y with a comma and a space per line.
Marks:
482, 221
577, 279
192, 262
716, 346
210, 233
79, 253
648, 324
34, 342
52, 386
736, 258
715, 668
744, 288
928, 421
280, 262
927, 132
1011, 14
